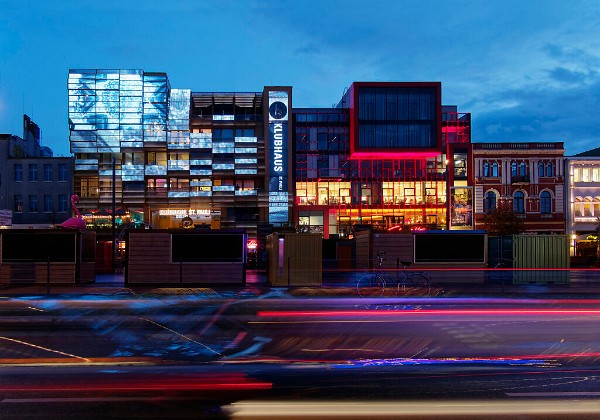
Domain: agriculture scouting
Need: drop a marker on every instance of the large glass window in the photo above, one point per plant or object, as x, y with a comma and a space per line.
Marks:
310, 221
519, 202
18, 172
490, 201
545, 202
550, 169
396, 118
541, 168
89, 186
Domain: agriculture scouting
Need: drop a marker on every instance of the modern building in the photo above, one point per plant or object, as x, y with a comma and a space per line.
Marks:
176, 158
388, 156
529, 178
35, 187
583, 203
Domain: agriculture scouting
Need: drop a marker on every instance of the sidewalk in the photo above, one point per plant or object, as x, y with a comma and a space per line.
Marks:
582, 284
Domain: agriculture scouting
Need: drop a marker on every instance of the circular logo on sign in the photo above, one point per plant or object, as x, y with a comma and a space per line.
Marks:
278, 110
187, 222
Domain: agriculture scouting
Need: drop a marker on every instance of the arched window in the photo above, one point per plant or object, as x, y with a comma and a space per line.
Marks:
587, 207
545, 202
486, 169
541, 169
495, 169
522, 169
550, 169
513, 169
490, 201
519, 202
578, 206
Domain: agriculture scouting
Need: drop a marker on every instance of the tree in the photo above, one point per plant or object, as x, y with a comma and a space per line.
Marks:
503, 221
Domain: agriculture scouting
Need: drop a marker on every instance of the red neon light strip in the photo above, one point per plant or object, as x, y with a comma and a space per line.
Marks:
278, 314
393, 155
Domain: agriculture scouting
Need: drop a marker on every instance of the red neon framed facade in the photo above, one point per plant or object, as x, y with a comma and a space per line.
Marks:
351, 100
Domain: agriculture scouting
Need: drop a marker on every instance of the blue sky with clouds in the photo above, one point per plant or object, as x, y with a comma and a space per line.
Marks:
527, 70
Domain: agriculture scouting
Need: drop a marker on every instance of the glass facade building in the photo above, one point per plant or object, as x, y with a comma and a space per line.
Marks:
176, 158
388, 156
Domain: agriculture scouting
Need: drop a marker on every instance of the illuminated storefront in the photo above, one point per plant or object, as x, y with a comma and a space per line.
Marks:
583, 204
380, 159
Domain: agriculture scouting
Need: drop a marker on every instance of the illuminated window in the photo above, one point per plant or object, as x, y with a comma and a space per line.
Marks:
156, 158
18, 199
310, 221
587, 207
586, 175
578, 206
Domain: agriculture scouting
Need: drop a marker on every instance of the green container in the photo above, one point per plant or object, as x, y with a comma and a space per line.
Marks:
541, 259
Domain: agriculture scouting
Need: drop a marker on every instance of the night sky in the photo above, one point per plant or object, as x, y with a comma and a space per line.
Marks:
526, 70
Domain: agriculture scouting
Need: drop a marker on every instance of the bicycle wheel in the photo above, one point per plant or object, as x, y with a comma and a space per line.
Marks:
415, 283
370, 285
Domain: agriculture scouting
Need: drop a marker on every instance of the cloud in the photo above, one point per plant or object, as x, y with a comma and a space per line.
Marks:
542, 114
564, 75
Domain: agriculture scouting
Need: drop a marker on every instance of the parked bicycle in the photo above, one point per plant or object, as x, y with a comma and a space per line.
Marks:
373, 284
416, 281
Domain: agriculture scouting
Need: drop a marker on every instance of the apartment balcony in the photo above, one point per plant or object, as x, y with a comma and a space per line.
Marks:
520, 179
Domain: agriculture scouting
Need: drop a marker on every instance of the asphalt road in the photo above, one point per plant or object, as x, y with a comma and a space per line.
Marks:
141, 356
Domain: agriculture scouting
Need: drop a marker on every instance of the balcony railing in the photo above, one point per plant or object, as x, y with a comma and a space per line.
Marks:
520, 179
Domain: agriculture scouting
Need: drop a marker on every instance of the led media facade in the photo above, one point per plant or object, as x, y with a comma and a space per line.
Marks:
114, 109
278, 160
